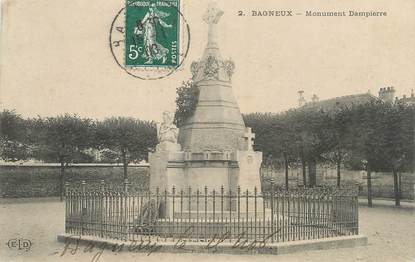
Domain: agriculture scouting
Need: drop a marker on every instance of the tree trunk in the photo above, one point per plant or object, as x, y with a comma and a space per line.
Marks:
312, 172
286, 171
369, 188
125, 164
400, 185
303, 165
396, 188
62, 180
338, 173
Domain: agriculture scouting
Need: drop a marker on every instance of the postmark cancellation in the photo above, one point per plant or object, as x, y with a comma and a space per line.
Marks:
149, 39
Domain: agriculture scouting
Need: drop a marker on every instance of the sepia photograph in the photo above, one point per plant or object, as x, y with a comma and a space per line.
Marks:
209, 130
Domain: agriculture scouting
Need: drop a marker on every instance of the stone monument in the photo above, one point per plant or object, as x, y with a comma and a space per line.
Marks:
213, 148
167, 134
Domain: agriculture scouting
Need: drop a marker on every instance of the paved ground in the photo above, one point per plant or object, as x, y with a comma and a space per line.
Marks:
391, 233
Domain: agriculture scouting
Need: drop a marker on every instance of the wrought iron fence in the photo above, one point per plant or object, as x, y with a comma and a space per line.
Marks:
203, 215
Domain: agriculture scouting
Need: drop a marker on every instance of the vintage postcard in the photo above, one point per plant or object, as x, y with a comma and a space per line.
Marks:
210, 130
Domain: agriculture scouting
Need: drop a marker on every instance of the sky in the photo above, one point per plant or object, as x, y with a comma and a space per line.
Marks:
55, 56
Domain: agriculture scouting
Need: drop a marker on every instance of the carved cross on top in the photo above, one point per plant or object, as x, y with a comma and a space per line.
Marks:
213, 14
212, 17
249, 136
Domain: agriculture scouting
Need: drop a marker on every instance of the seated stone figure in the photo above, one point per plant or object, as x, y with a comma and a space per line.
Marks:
147, 218
167, 134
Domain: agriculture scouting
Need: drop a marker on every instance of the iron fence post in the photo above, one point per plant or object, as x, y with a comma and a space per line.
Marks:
221, 204
239, 208
197, 213
67, 211
83, 205
189, 192
356, 215
101, 207
124, 213
157, 209
272, 211
173, 207
246, 205
255, 213
66, 188
67, 205
214, 203
206, 204
181, 211
126, 185
230, 214
83, 186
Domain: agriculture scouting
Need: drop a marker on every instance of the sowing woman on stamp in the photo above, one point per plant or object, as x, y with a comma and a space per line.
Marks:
147, 28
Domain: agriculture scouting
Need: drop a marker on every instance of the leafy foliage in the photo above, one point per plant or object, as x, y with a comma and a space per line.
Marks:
375, 133
13, 137
70, 139
383, 135
127, 138
289, 133
186, 102
63, 138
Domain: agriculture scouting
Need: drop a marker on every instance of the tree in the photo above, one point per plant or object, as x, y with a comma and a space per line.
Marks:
284, 140
109, 156
398, 141
13, 137
376, 136
62, 139
291, 135
129, 138
339, 127
313, 139
367, 138
262, 126
275, 136
383, 137
186, 102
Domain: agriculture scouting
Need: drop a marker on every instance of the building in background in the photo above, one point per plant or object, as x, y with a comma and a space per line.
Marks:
409, 100
386, 94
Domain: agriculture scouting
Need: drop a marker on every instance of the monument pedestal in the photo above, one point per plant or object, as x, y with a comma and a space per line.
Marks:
207, 178
249, 163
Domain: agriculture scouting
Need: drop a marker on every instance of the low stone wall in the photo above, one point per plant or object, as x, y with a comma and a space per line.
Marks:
43, 180
382, 182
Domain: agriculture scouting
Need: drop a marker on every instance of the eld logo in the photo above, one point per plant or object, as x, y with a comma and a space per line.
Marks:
19, 244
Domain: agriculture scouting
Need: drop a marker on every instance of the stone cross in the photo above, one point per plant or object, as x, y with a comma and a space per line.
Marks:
249, 136
212, 17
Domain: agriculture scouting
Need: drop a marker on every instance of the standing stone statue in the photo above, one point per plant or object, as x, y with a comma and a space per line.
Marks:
167, 134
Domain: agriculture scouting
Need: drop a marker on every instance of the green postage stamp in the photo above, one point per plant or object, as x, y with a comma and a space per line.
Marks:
152, 29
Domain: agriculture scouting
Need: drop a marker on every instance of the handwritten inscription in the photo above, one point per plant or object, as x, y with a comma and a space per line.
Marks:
72, 245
